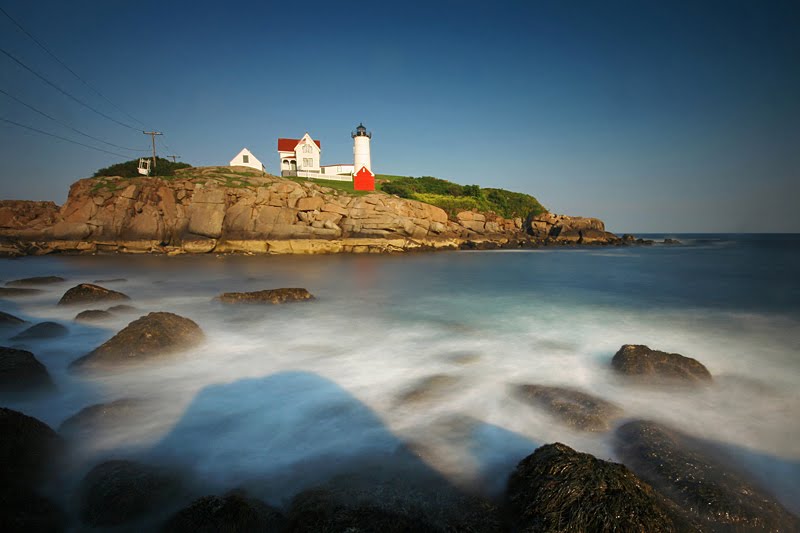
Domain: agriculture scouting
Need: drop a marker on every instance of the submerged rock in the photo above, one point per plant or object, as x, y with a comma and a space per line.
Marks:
148, 337
117, 492
642, 362
7, 320
42, 330
122, 308
575, 408
20, 371
678, 467
428, 388
89, 293
102, 416
273, 296
38, 280
93, 315
16, 292
557, 489
232, 513
28, 448
25, 511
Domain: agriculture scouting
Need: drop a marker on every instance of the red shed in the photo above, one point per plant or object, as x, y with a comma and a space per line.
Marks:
364, 180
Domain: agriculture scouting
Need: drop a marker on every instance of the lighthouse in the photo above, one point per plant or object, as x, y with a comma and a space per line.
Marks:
364, 179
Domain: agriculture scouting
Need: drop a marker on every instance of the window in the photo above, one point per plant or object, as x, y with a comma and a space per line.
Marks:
307, 149
308, 162
245, 159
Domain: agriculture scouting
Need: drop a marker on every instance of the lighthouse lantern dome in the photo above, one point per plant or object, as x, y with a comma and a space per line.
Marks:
361, 131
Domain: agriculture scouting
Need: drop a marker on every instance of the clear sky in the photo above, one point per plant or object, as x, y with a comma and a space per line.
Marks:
679, 116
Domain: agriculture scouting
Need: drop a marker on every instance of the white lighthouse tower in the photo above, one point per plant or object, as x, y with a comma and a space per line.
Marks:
361, 138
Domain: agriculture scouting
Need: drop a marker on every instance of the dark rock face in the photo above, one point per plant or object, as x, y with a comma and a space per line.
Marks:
148, 337
16, 292
428, 388
121, 308
39, 280
28, 448
102, 415
89, 293
7, 321
116, 492
557, 489
573, 407
232, 513
93, 315
652, 365
20, 371
678, 468
42, 330
273, 296
23, 510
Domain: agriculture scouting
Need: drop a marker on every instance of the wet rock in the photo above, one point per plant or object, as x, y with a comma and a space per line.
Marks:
17, 292
575, 408
103, 416
557, 489
89, 293
428, 388
672, 241
117, 492
642, 362
20, 371
39, 280
8, 321
93, 315
24, 510
122, 308
232, 513
149, 337
28, 449
112, 280
42, 330
678, 467
273, 296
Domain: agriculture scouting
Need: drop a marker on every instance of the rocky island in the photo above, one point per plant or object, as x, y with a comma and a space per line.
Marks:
236, 210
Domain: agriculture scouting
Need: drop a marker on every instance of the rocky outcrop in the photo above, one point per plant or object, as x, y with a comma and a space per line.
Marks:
103, 416
17, 292
557, 489
90, 293
233, 513
38, 280
93, 315
215, 209
23, 510
10, 321
639, 361
566, 229
42, 330
20, 371
151, 336
272, 296
428, 389
575, 408
678, 467
28, 449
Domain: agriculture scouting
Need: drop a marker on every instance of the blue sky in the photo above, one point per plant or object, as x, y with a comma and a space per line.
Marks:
654, 116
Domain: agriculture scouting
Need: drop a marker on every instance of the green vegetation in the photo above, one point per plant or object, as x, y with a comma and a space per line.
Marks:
343, 186
130, 169
454, 198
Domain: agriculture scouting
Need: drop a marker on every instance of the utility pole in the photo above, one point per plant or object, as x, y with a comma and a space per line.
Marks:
174, 158
153, 135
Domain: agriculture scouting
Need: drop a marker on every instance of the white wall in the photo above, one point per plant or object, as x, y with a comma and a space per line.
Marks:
308, 154
361, 157
252, 161
337, 169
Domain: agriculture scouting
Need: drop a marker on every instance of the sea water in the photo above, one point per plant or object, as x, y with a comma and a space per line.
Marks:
284, 397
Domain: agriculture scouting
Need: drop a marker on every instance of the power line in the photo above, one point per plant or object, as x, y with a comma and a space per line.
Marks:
65, 93
51, 54
70, 127
62, 138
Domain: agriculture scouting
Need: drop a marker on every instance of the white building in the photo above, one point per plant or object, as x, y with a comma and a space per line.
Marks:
299, 155
245, 158
338, 170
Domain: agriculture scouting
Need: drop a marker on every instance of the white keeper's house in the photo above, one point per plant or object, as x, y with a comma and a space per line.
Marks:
301, 157
245, 158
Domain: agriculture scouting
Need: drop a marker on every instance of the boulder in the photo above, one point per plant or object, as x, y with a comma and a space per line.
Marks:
102, 416
22, 510
428, 388
680, 468
148, 337
89, 293
20, 371
232, 513
273, 296
42, 330
17, 292
576, 409
117, 492
38, 280
557, 489
122, 308
7, 320
29, 449
93, 315
651, 365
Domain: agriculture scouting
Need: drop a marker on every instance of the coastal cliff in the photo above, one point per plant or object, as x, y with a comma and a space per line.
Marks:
232, 210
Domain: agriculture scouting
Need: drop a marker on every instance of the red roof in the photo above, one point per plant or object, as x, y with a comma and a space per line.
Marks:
288, 145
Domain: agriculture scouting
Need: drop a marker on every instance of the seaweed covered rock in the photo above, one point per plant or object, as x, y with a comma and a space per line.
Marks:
641, 362
42, 330
576, 409
272, 296
232, 513
24, 510
93, 315
557, 489
90, 293
103, 416
20, 371
678, 467
37, 280
28, 448
117, 492
151, 336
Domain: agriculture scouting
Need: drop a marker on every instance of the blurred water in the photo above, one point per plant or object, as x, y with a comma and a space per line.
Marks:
289, 392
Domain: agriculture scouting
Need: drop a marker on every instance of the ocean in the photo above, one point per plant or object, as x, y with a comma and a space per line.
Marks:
420, 351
